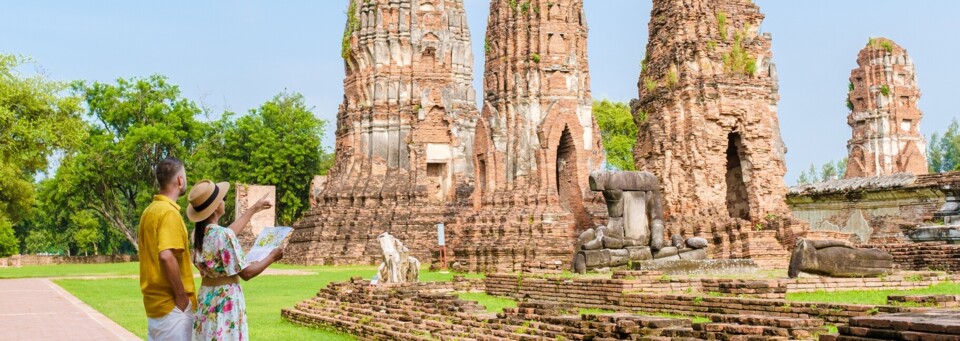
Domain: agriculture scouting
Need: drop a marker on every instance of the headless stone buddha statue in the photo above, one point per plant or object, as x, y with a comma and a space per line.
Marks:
837, 258
635, 229
398, 266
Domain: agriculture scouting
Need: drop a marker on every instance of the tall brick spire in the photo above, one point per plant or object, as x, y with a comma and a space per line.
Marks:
883, 113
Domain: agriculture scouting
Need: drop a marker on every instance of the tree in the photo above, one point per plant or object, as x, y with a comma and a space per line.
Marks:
277, 144
943, 151
35, 122
87, 233
809, 176
39, 241
828, 171
618, 130
137, 123
8, 242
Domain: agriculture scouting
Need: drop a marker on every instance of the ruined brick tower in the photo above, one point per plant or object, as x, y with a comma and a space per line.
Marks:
537, 140
404, 133
708, 90
884, 114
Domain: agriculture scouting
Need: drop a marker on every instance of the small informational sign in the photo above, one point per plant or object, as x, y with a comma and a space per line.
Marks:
440, 238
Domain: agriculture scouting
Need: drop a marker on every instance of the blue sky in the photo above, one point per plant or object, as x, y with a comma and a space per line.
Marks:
234, 55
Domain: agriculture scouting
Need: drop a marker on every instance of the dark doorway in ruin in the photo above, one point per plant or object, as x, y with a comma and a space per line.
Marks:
738, 205
568, 184
482, 175
437, 181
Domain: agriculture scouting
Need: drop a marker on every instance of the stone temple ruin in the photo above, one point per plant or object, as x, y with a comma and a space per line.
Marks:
709, 92
884, 114
404, 133
536, 142
412, 150
512, 184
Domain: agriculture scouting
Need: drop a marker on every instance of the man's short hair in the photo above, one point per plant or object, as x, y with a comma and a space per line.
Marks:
167, 170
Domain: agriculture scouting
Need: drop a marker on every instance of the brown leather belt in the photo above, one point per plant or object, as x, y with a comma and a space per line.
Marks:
213, 282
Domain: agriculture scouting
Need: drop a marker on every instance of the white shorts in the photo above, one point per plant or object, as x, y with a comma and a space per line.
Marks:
175, 326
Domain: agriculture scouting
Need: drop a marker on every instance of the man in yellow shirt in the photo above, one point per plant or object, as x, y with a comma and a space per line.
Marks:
166, 277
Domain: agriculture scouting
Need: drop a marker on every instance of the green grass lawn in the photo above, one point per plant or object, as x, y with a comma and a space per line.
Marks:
120, 299
873, 297
72, 270
493, 304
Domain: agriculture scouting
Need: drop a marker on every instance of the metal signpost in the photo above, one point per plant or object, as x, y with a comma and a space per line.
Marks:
443, 248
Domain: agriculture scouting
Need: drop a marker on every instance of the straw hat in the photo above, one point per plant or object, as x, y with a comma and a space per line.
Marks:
204, 198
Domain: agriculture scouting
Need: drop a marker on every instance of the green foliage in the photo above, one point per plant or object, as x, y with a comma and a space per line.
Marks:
277, 144
887, 45
883, 43
9, 245
722, 25
738, 61
63, 225
535, 57
486, 45
850, 86
885, 90
672, 77
650, 84
829, 171
353, 24
88, 233
644, 62
711, 45
849, 104
525, 7
138, 122
35, 122
493, 304
943, 150
618, 130
524, 328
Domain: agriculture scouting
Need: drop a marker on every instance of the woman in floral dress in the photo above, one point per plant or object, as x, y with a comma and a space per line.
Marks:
221, 311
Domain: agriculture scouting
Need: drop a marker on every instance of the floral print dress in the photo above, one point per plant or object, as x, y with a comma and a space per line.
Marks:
221, 311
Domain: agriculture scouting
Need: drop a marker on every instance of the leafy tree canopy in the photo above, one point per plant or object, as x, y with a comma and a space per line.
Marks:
35, 122
277, 144
943, 151
137, 123
618, 130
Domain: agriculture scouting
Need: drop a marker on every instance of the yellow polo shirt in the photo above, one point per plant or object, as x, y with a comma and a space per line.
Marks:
162, 228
